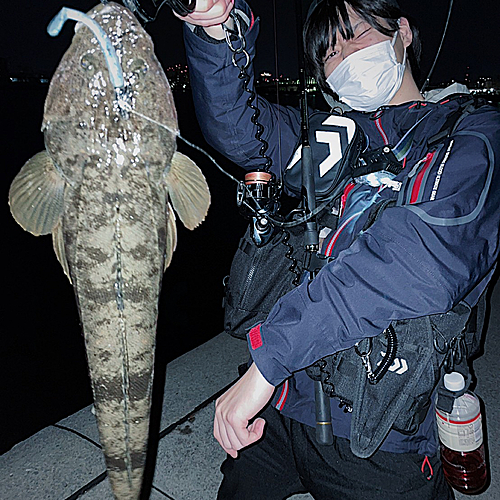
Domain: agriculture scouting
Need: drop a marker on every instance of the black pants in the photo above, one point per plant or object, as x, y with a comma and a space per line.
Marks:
288, 461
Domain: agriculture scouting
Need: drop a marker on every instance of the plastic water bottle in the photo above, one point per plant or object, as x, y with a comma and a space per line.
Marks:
461, 436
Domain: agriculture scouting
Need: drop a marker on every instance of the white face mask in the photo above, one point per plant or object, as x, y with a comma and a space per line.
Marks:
370, 77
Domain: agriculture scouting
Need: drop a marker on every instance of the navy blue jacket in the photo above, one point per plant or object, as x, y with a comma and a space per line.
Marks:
437, 246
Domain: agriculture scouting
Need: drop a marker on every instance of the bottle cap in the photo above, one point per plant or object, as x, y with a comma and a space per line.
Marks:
454, 381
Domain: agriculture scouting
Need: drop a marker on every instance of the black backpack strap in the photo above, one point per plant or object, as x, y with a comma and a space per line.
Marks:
377, 160
376, 212
452, 122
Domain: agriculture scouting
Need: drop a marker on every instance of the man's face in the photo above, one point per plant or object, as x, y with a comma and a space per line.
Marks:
365, 35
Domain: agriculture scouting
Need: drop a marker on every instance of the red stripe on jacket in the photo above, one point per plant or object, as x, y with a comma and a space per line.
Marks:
283, 396
420, 177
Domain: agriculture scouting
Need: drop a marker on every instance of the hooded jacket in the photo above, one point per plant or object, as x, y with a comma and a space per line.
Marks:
435, 247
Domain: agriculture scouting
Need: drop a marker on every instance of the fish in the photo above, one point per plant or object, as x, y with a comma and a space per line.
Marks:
109, 187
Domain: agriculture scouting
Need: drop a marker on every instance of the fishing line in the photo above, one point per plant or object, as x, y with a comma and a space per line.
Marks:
276, 69
241, 184
126, 106
176, 133
439, 48
201, 150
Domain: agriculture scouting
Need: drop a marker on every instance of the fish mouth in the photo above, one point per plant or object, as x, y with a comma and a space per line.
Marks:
111, 57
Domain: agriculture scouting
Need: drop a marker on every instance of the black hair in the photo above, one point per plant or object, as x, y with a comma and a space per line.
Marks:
328, 17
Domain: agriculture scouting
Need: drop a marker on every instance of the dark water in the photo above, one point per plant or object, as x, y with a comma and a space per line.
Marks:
42, 357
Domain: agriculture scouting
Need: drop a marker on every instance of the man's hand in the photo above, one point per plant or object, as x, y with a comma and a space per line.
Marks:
210, 14
235, 408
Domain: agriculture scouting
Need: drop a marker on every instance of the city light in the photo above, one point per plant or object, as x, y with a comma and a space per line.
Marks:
178, 77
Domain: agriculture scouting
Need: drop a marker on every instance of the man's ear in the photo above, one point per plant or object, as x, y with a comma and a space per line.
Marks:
405, 32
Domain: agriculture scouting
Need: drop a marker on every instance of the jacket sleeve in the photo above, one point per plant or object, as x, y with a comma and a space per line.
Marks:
415, 260
221, 103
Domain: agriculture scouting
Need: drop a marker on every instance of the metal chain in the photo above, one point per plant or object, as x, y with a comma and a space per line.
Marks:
365, 357
242, 46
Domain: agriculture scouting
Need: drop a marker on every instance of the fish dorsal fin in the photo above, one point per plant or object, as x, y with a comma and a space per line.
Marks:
188, 190
36, 195
171, 236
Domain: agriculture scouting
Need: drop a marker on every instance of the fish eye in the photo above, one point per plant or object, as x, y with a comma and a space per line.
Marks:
138, 67
88, 62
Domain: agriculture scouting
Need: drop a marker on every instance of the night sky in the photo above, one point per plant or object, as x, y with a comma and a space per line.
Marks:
472, 41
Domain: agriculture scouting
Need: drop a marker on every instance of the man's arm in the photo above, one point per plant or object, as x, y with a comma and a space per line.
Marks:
225, 119
415, 260
221, 101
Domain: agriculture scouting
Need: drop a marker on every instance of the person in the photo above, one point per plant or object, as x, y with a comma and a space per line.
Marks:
434, 248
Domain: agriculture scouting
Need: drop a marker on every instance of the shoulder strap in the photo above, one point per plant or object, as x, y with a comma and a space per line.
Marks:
452, 122
376, 212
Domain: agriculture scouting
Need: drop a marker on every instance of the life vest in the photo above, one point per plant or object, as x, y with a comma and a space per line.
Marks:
385, 381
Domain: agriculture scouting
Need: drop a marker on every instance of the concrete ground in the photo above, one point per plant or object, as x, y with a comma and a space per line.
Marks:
63, 461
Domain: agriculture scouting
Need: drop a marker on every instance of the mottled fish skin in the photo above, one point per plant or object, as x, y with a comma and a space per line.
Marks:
112, 235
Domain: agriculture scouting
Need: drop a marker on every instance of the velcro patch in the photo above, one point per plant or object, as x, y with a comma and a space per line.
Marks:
255, 337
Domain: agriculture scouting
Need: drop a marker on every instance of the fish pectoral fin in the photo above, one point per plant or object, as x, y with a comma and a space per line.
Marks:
58, 244
171, 236
188, 191
36, 195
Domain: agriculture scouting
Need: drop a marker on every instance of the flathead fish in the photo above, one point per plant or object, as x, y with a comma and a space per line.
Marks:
104, 187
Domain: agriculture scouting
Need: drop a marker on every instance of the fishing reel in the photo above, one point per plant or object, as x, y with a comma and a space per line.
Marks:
258, 200
147, 10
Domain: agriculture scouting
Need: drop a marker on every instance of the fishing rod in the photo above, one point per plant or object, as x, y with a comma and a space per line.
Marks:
424, 86
324, 433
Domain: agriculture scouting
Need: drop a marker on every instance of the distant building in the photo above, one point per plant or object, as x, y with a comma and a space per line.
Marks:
487, 87
283, 83
282, 88
488, 83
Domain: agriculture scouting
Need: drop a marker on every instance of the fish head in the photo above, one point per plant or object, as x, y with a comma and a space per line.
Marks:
82, 113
